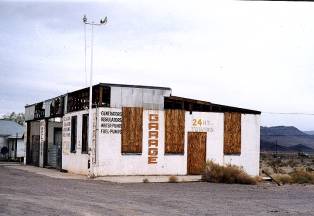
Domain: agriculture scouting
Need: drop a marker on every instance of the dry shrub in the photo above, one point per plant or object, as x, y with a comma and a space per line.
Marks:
145, 180
302, 177
291, 163
173, 179
229, 174
258, 178
295, 177
283, 178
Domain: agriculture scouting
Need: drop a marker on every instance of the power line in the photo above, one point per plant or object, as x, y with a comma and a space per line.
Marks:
287, 113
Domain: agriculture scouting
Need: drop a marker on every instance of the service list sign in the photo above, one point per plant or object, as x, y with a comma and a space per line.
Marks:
66, 134
42, 136
110, 122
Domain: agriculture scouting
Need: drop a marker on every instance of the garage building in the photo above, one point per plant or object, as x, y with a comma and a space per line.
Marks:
139, 130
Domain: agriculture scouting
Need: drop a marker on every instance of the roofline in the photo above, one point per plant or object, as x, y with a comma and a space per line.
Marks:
135, 86
29, 105
231, 108
105, 84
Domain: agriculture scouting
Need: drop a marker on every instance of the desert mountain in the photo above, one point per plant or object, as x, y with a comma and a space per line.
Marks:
288, 139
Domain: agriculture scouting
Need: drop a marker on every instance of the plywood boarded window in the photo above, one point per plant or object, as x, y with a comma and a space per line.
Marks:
232, 133
132, 129
174, 131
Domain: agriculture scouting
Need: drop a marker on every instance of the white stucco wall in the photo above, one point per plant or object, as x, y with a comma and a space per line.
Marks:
73, 162
213, 124
110, 160
21, 148
250, 145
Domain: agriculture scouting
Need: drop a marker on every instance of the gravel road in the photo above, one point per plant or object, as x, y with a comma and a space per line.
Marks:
25, 193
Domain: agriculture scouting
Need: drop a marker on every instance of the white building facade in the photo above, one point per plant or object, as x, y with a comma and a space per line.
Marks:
143, 130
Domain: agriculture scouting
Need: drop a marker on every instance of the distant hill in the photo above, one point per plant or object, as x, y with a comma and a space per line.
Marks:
309, 132
282, 131
288, 139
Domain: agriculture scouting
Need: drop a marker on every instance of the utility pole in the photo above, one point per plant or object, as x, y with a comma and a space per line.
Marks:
91, 150
15, 146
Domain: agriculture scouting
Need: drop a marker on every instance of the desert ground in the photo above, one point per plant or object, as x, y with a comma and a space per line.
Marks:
27, 193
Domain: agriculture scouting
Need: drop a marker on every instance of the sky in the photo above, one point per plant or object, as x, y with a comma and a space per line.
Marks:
255, 55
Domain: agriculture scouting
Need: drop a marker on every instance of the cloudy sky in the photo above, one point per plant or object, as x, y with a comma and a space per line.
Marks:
256, 55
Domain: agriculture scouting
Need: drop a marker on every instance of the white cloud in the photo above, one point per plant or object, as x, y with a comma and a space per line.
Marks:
250, 54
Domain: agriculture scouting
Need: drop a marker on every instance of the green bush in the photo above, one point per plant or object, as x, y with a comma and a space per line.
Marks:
229, 174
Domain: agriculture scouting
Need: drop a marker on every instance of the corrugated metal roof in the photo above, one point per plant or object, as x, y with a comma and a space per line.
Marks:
135, 86
174, 102
10, 128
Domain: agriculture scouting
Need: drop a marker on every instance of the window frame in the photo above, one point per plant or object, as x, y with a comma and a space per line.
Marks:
85, 120
228, 149
73, 134
123, 139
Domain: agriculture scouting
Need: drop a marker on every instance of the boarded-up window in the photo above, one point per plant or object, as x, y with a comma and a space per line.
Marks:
174, 131
132, 129
232, 133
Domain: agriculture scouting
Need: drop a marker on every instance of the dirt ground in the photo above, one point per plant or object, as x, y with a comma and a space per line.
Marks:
26, 193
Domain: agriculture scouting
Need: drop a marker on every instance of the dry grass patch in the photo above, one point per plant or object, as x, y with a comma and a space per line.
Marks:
296, 177
283, 178
145, 180
173, 179
302, 177
229, 174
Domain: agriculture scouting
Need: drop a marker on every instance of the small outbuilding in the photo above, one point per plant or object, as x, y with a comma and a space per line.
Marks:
139, 130
12, 145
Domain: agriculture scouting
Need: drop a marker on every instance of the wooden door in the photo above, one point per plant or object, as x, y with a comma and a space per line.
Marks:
196, 152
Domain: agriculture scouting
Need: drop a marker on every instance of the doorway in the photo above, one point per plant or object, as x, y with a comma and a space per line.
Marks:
35, 150
54, 149
196, 152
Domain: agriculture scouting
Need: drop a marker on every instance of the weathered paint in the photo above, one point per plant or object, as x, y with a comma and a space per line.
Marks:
73, 162
138, 97
42, 138
213, 124
47, 108
29, 113
110, 160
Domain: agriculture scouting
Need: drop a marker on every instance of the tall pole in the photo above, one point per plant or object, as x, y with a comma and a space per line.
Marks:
85, 56
91, 148
90, 113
